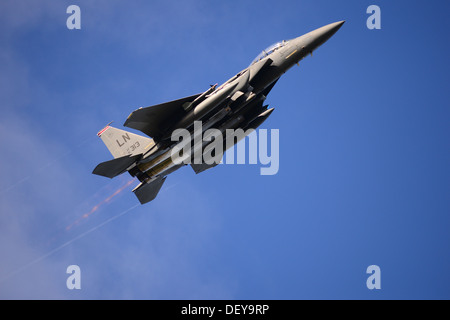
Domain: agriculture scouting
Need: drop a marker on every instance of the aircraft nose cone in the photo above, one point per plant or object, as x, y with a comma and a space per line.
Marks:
312, 40
321, 35
330, 29
334, 26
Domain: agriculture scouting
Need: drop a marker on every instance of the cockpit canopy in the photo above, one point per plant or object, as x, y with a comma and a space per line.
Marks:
269, 50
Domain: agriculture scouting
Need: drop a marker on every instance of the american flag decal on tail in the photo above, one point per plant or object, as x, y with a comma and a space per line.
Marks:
103, 130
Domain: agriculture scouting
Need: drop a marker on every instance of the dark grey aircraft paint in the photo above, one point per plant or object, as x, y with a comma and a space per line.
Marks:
238, 103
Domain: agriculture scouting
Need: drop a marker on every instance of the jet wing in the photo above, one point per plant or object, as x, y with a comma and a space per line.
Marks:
154, 120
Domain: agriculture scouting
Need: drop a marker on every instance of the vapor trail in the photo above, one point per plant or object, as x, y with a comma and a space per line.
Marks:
66, 244
45, 166
98, 205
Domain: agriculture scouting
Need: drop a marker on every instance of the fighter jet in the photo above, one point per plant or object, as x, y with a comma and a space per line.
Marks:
237, 103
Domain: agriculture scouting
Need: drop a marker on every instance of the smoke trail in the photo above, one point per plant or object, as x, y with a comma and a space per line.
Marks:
98, 205
66, 244
84, 216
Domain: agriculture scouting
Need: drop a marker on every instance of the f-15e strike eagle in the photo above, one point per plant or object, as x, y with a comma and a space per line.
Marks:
238, 103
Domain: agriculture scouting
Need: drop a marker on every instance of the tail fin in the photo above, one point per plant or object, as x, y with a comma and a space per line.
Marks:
122, 143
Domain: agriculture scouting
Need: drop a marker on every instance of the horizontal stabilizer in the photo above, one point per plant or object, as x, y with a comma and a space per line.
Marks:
113, 168
146, 192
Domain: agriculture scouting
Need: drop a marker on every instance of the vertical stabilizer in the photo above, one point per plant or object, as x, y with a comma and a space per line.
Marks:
122, 143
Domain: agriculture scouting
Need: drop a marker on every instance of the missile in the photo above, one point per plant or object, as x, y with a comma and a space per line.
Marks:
215, 99
189, 105
259, 119
238, 83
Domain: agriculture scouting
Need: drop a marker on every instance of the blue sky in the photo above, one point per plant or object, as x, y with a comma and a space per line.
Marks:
364, 175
